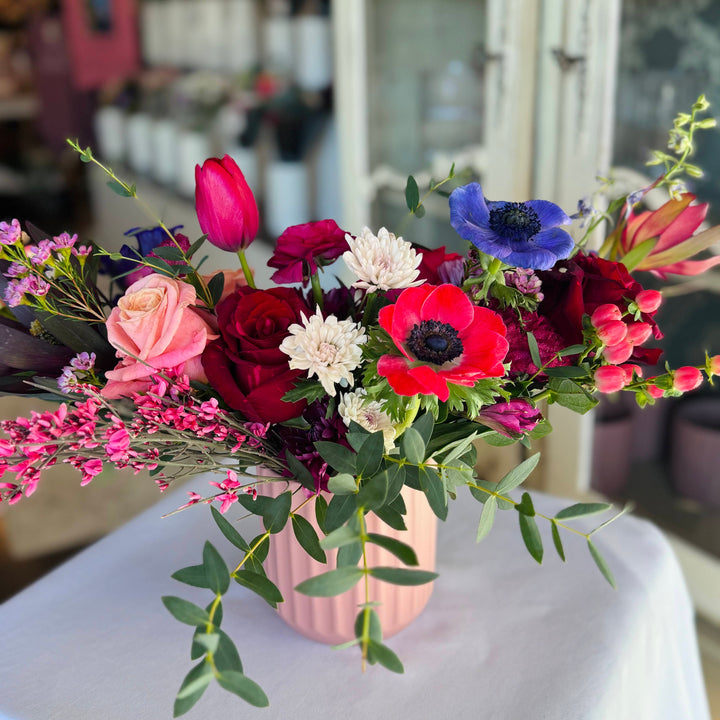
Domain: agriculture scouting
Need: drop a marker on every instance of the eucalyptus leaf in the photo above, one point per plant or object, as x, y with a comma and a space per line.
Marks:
192, 688
374, 626
337, 538
342, 484
517, 475
402, 576
391, 517
582, 510
260, 585
412, 446
373, 492
244, 687
307, 537
339, 510
228, 530
398, 548
487, 518
300, 471
434, 489
192, 575
385, 656
209, 641
531, 536
321, 507
216, 571
600, 562
525, 506
226, 656
412, 193
534, 350
333, 582
185, 611
557, 541
349, 554
337, 456
216, 287
276, 515
368, 461
425, 424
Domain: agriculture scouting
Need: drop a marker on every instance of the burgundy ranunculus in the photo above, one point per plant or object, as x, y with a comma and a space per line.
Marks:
511, 419
245, 365
225, 205
438, 267
301, 248
578, 286
549, 342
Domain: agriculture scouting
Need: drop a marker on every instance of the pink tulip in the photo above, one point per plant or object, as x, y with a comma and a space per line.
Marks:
672, 227
225, 205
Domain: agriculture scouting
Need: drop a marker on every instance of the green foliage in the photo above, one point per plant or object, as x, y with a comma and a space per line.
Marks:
333, 582
260, 585
307, 538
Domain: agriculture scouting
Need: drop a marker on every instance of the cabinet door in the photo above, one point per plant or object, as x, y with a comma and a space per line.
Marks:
423, 84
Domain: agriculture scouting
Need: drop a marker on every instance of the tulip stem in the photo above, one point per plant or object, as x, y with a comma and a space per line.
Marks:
317, 290
246, 268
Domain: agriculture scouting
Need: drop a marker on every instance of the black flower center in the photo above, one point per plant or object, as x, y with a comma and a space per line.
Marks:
515, 221
434, 342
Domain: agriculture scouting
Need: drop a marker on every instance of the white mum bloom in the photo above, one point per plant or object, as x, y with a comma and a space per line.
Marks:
326, 347
367, 414
383, 262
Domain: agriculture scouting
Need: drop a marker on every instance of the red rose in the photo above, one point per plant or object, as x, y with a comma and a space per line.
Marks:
579, 286
245, 365
301, 248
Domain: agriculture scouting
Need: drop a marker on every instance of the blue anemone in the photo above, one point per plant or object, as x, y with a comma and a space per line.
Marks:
523, 234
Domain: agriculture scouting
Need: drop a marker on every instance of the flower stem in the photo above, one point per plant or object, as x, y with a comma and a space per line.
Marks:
246, 268
316, 290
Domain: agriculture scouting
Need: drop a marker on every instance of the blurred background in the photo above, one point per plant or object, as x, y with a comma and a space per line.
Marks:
327, 106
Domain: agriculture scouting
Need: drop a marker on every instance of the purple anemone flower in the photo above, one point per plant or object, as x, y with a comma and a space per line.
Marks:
523, 234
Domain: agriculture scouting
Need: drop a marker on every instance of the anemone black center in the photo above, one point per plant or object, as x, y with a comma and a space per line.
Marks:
514, 221
434, 342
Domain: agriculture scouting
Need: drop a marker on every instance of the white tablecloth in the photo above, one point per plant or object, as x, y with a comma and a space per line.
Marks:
501, 637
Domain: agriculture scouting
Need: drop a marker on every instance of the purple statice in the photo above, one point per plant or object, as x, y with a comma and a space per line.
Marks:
10, 233
525, 281
301, 441
524, 234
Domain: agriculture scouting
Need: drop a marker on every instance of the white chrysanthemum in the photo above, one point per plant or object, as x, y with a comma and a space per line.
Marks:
367, 414
383, 262
326, 347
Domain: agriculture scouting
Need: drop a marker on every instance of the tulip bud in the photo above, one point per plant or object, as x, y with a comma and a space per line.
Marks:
610, 379
225, 205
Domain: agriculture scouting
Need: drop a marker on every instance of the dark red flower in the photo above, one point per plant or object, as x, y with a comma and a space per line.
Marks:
438, 267
245, 365
550, 342
443, 339
578, 286
301, 248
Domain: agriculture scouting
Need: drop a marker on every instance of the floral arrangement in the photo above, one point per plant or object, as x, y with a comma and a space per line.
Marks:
345, 395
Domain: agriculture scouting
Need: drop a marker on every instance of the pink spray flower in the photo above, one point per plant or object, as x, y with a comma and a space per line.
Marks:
225, 205
686, 378
610, 379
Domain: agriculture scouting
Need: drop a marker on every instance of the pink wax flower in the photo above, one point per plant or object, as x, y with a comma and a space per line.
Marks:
612, 333
610, 379
302, 248
155, 322
686, 378
225, 205
511, 419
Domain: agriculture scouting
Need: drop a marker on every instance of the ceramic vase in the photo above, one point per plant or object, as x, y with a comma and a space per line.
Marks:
331, 620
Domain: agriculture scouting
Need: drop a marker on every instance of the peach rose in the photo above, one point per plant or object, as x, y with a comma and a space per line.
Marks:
154, 327
234, 279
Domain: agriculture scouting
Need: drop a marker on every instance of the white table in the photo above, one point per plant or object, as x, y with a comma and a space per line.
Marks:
501, 637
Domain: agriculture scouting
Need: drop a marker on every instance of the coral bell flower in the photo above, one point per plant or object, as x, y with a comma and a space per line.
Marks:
225, 205
443, 339
672, 225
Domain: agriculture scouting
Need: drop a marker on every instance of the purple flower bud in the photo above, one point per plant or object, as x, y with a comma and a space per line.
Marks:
511, 419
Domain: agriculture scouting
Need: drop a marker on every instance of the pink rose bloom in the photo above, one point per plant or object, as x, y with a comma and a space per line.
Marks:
154, 327
301, 248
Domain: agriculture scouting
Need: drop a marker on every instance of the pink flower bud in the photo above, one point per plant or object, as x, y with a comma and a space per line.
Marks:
612, 333
648, 301
655, 391
605, 313
225, 205
631, 370
638, 333
610, 379
714, 365
686, 378
617, 354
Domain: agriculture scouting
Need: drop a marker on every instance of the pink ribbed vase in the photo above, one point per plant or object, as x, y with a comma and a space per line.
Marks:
331, 620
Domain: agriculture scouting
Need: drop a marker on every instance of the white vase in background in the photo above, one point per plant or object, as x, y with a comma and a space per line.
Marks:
109, 125
165, 141
312, 52
140, 153
241, 35
278, 44
193, 148
286, 195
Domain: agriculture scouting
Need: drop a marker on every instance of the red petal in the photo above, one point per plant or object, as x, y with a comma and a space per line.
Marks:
395, 369
682, 227
431, 382
407, 311
448, 304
